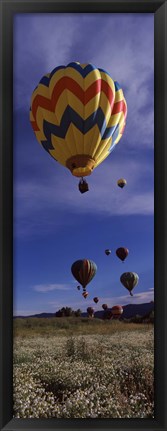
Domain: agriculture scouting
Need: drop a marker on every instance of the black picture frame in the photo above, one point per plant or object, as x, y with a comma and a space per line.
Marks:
7, 11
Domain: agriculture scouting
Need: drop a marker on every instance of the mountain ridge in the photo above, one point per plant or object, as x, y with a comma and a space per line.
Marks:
129, 311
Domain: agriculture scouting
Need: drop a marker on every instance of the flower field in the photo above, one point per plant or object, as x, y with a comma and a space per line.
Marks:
85, 376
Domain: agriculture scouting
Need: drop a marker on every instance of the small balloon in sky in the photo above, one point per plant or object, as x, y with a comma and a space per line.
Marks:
121, 183
107, 251
122, 253
85, 294
96, 299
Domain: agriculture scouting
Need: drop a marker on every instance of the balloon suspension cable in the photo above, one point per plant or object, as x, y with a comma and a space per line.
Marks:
83, 186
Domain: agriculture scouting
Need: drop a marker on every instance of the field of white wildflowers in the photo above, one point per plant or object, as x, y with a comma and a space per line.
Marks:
90, 376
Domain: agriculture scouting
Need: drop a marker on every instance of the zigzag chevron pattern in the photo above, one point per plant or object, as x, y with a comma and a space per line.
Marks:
78, 109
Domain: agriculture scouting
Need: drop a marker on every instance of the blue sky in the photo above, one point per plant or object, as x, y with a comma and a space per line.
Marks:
54, 224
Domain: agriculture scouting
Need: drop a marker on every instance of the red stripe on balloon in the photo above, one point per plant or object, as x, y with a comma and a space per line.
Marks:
34, 126
67, 83
41, 101
119, 107
108, 92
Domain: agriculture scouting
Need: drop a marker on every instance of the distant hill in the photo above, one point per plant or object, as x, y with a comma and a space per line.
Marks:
129, 311
43, 315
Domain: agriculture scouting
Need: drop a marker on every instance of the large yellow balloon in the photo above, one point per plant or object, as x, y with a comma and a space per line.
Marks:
78, 115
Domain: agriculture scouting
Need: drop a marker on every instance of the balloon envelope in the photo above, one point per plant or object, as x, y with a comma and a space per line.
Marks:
83, 271
90, 310
129, 280
116, 311
122, 253
121, 183
104, 306
96, 299
78, 114
107, 251
85, 294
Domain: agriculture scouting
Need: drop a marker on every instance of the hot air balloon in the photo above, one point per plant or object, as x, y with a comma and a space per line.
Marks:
104, 306
96, 299
129, 280
78, 114
122, 253
107, 251
116, 311
107, 314
83, 271
85, 294
90, 311
78, 287
121, 183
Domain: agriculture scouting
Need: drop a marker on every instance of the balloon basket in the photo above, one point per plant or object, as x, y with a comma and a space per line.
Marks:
83, 186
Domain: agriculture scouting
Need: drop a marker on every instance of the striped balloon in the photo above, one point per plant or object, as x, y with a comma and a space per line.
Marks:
129, 280
116, 311
78, 115
83, 271
90, 311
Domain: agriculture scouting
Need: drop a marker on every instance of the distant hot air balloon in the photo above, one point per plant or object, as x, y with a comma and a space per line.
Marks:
107, 251
83, 271
116, 311
129, 280
78, 287
96, 299
85, 294
78, 114
122, 253
90, 311
104, 306
107, 314
121, 183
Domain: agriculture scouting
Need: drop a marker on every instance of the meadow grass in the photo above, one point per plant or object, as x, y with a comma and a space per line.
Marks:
72, 326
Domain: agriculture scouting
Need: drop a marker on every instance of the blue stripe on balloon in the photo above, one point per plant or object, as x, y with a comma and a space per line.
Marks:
84, 72
105, 71
108, 132
71, 116
117, 86
55, 70
47, 145
115, 134
111, 131
45, 81
96, 118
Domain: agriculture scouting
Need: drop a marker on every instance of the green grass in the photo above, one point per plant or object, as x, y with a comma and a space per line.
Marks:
67, 326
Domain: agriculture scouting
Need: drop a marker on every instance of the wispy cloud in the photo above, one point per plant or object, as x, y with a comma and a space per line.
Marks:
54, 305
42, 205
45, 288
49, 41
129, 60
138, 298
